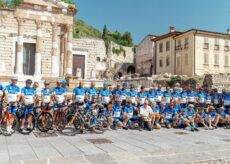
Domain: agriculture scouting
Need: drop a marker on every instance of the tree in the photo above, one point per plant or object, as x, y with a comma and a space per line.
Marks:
105, 32
128, 37
15, 3
3, 4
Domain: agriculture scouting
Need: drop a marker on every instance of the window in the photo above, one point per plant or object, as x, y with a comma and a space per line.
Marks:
167, 46
98, 59
167, 61
161, 47
161, 63
216, 47
216, 59
186, 59
206, 44
226, 47
226, 60
178, 62
206, 60
186, 43
179, 47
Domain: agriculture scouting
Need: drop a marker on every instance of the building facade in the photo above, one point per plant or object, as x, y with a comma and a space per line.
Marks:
195, 52
36, 41
145, 56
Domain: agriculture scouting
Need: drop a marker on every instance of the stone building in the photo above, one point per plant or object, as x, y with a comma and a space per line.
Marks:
36, 41
145, 56
194, 52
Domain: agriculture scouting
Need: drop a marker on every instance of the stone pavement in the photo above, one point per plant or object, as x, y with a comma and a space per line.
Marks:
158, 146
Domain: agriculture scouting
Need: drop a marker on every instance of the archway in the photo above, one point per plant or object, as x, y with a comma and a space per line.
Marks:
131, 69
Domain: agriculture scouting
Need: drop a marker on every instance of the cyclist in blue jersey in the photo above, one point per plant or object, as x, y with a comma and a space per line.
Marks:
201, 98
46, 96
222, 116
162, 109
133, 94
12, 97
169, 115
124, 93
28, 101
151, 95
105, 95
155, 115
142, 96
183, 98
226, 100
216, 97
175, 94
92, 91
59, 98
130, 115
108, 116
212, 117
159, 94
192, 96
79, 94
184, 121
117, 91
179, 88
208, 100
118, 117
200, 118
167, 95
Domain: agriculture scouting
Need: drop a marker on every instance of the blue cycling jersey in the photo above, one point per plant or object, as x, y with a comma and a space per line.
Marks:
142, 97
105, 96
191, 113
12, 92
1, 87
117, 110
202, 97
91, 92
79, 93
129, 110
167, 96
29, 94
60, 94
124, 93
90, 105
117, 92
151, 96
156, 109
183, 116
46, 93
175, 96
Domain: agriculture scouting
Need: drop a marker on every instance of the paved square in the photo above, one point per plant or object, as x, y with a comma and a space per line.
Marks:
158, 146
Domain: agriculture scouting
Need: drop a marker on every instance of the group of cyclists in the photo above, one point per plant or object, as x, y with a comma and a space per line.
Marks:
124, 105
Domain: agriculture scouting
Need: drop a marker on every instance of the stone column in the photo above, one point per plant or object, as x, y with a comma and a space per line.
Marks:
38, 58
19, 64
62, 55
69, 50
55, 66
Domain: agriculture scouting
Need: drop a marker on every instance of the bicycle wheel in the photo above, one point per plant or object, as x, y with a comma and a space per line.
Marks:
61, 121
76, 122
27, 127
98, 128
44, 121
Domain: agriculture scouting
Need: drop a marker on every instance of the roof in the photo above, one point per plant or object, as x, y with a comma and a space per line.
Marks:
36, 2
149, 35
171, 34
205, 31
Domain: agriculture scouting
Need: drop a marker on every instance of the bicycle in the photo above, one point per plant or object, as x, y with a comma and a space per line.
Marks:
60, 119
6, 120
83, 119
23, 114
45, 119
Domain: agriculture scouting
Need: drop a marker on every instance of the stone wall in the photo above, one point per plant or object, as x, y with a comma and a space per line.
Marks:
8, 40
95, 52
127, 57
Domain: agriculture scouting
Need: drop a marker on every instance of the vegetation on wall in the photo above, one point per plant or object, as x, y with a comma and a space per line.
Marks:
119, 51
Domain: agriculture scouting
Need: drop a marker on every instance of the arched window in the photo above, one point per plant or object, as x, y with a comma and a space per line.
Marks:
98, 59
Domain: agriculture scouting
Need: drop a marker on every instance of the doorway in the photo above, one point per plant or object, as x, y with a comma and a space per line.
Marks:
79, 64
29, 58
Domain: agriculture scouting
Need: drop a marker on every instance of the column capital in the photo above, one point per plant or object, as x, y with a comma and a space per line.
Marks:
69, 27
38, 23
20, 20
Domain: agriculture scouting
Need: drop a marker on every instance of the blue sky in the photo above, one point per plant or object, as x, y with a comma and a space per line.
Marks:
142, 17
